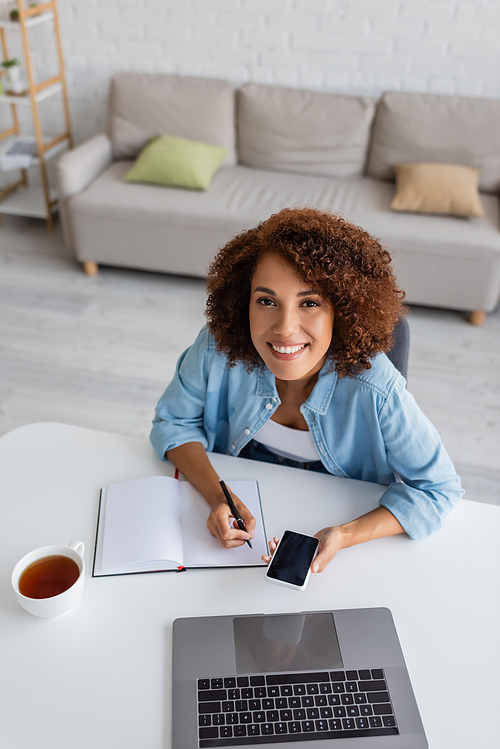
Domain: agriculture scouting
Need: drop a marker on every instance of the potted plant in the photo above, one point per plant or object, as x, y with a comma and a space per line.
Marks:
14, 13
13, 71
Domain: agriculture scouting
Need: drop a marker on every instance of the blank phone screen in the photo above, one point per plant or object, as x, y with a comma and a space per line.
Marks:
291, 561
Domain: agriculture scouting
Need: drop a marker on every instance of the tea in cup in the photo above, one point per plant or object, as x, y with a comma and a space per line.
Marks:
49, 581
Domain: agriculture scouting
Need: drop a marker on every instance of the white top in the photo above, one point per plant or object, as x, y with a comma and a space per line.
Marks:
294, 444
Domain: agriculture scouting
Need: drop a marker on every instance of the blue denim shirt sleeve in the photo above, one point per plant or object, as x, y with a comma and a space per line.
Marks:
429, 487
180, 411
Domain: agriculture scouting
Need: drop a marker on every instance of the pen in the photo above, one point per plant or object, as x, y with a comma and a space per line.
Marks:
232, 507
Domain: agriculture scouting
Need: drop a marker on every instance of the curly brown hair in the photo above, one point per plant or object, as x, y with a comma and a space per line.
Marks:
343, 263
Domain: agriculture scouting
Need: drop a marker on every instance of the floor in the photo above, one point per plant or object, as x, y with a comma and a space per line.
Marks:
98, 352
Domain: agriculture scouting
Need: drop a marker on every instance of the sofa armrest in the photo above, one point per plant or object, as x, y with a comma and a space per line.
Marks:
75, 171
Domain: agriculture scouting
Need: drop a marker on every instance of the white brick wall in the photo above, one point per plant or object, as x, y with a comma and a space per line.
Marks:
353, 46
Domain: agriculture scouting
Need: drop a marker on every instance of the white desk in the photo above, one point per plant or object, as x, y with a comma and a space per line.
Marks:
99, 676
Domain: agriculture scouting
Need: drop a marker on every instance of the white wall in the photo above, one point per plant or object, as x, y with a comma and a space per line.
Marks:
368, 46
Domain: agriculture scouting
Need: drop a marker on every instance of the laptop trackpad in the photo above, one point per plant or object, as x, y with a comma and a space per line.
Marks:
286, 642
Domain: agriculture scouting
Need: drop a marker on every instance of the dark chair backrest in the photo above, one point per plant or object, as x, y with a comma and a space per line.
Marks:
400, 349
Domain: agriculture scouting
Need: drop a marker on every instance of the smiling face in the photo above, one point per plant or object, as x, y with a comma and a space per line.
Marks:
290, 324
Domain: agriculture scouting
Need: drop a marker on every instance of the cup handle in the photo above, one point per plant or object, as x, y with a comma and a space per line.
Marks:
78, 546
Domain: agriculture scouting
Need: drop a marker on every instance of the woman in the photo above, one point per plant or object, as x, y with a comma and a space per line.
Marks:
291, 369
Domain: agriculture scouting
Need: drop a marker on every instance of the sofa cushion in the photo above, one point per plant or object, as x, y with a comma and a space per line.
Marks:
143, 105
239, 198
177, 162
437, 188
178, 231
306, 132
414, 128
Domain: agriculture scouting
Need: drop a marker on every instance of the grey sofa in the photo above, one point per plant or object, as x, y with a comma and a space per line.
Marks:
287, 147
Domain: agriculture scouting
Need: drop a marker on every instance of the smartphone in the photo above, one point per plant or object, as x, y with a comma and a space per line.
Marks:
291, 562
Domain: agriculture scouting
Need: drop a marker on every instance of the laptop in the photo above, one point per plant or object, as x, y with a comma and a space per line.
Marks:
312, 679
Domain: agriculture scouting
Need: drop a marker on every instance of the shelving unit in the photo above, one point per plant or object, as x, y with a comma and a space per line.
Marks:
19, 198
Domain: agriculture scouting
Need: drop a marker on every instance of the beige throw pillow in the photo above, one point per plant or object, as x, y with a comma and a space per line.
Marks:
437, 188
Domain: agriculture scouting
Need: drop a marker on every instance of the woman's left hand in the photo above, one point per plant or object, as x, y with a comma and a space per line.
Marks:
330, 541
377, 523
272, 548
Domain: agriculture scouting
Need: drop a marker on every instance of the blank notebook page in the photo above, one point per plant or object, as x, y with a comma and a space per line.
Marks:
146, 529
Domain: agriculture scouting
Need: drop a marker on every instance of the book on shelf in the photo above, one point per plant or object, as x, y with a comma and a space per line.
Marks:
18, 155
158, 524
23, 147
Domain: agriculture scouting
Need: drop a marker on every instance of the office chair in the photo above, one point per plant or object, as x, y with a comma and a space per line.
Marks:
398, 354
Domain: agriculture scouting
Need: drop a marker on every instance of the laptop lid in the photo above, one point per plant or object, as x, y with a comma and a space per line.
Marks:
294, 680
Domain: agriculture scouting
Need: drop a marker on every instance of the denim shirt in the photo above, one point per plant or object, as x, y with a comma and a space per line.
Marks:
365, 427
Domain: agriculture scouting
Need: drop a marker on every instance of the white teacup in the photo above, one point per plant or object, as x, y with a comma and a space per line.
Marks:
54, 605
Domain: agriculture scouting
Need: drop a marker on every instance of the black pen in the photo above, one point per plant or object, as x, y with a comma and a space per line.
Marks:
232, 507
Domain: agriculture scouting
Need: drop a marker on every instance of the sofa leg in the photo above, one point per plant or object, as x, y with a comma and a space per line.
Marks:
477, 317
90, 268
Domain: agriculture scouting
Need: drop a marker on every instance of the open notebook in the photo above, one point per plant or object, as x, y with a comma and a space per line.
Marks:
159, 523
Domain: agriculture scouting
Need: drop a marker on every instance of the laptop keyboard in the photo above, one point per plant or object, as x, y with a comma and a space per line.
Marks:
274, 708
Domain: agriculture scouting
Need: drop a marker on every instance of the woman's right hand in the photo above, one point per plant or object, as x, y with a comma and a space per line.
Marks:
220, 523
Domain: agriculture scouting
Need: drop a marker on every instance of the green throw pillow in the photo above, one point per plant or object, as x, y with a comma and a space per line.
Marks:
177, 162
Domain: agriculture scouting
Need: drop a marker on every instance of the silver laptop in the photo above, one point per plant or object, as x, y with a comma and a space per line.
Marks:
336, 677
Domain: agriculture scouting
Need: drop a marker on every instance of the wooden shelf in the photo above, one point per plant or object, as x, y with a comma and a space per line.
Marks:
27, 201
25, 101
19, 198
47, 15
